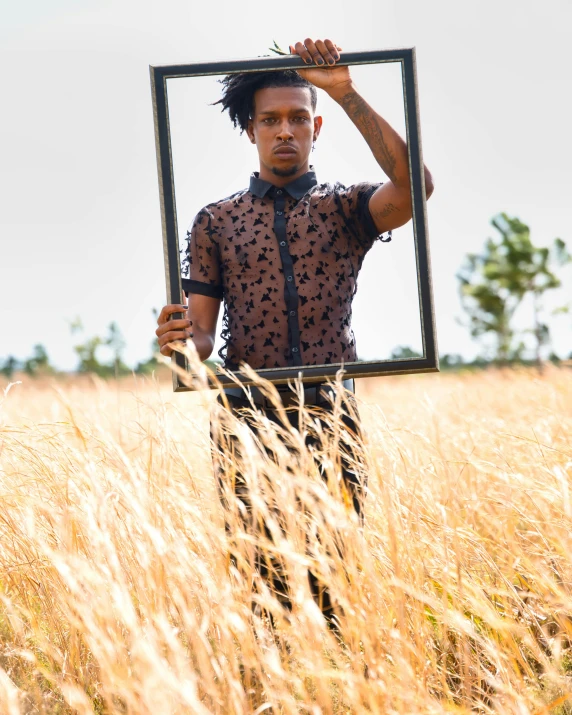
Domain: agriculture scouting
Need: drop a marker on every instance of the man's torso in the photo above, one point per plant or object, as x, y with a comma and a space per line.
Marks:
288, 268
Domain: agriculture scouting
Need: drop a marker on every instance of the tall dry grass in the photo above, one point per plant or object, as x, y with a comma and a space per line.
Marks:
117, 594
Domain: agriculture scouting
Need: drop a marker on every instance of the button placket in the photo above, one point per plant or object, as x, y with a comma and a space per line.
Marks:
290, 290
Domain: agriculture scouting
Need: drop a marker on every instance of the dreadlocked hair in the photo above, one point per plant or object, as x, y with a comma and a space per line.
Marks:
238, 93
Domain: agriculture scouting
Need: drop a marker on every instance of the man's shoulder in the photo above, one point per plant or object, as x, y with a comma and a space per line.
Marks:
340, 194
326, 188
228, 203
218, 210
329, 188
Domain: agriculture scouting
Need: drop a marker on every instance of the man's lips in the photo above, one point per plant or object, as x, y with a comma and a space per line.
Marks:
285, 150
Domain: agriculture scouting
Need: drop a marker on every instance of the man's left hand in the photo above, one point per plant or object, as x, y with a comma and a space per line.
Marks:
324, 54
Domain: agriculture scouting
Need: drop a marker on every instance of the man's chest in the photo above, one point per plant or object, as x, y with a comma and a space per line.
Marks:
260, 241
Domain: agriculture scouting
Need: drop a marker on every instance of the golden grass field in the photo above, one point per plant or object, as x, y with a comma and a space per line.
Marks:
117, 595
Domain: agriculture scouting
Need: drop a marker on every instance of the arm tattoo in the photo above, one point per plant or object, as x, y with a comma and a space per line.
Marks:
385, 211
366, 121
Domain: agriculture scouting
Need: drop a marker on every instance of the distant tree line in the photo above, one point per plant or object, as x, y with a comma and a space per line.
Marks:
88, 352
39, 362
493, 285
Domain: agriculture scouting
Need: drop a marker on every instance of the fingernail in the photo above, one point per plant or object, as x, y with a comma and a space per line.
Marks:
336, 56
308, 62
320, 61
331, 62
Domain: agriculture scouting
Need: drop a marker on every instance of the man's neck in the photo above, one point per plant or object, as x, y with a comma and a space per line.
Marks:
267, 175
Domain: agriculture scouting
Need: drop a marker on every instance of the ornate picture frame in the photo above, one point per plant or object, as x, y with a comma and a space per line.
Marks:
429, 361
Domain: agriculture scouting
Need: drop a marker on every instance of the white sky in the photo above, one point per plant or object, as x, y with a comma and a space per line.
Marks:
80, 223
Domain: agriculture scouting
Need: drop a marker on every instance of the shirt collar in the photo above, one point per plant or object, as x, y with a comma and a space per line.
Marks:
296, 188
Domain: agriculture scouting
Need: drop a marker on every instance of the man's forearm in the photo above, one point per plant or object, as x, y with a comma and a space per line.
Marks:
203, 343
388, 148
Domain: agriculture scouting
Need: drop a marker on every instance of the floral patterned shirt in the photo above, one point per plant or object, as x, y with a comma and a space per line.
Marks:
285, 261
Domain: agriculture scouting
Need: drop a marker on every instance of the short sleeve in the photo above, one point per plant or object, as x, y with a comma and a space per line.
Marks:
353, 203
200, 260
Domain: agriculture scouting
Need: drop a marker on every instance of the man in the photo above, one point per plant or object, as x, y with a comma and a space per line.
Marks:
284, 254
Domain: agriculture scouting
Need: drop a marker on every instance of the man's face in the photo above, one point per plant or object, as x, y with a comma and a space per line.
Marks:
283, 129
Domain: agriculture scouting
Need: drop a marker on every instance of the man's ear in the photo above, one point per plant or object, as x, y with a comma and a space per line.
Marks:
317, 126
250, 131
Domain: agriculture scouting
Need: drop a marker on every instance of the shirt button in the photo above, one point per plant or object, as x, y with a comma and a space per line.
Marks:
279, 213
289, 278
292, 312
282, 243
294, 350
279, 192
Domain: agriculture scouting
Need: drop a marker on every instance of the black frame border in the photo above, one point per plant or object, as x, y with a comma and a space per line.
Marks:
313, 373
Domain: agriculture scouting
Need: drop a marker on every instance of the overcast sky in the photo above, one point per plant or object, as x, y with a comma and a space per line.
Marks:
80, 223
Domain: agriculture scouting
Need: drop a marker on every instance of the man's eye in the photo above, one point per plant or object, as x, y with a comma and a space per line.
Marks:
301, 119
268, 120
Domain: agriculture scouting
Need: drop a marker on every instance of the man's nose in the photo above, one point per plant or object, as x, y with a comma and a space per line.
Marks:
285, 132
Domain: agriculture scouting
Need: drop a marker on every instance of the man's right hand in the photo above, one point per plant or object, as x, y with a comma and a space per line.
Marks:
169, 330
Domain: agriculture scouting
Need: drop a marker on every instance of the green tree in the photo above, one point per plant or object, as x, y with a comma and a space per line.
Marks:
39, 362
494, 283
88, 361
450, 360
87, 351
9, 366
117, 344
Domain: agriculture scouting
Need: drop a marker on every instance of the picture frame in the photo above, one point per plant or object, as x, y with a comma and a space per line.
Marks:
429, 361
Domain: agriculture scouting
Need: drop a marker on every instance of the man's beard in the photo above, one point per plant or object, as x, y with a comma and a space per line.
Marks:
285, 172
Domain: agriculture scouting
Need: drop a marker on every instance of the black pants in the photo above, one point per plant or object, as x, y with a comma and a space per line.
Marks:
353, 480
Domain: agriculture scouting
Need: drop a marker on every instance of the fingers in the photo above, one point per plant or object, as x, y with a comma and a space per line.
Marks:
168, 310
171, 331
173, 336
167, 349
313, 51
320, 52
182, 324
333, 49
325, 52
300, 49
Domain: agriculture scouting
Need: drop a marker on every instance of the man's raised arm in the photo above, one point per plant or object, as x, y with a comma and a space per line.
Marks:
390, 205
